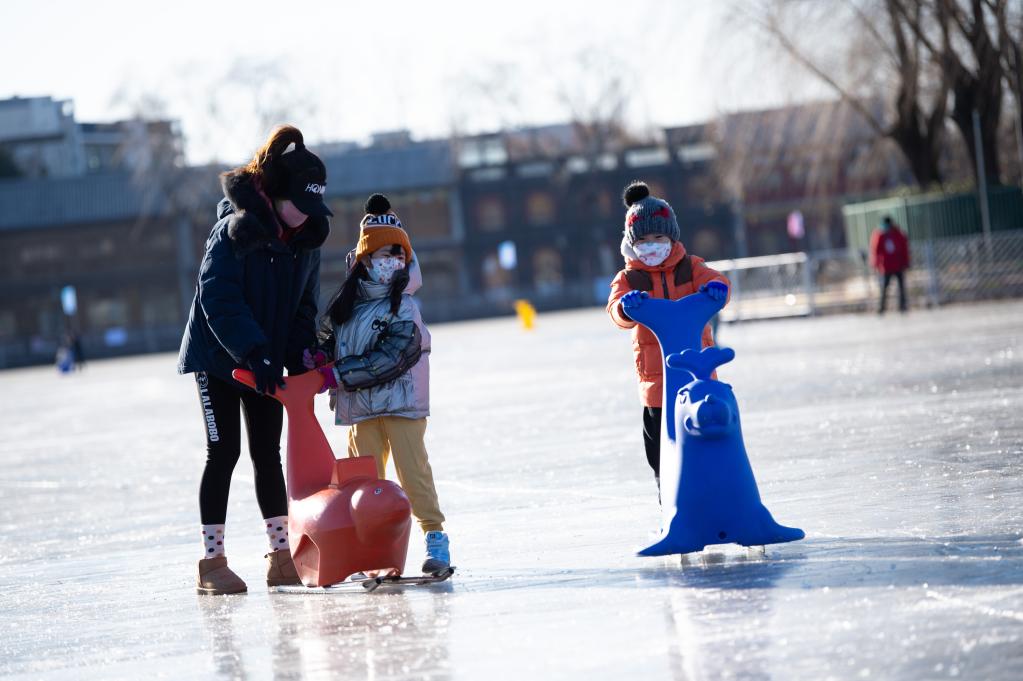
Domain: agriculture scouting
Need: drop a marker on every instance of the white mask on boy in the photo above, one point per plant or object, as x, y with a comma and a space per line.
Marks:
652, 253
384, 268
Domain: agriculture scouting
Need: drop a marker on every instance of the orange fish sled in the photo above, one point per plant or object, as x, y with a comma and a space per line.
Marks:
346, 519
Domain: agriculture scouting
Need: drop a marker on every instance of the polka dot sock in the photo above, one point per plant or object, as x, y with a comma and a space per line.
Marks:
277, 532
213, 540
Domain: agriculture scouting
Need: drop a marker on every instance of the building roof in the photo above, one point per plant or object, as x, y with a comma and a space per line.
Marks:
44, 202
418, 165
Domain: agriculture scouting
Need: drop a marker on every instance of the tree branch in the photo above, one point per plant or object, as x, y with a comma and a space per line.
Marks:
774, 30
872, 29
914, 24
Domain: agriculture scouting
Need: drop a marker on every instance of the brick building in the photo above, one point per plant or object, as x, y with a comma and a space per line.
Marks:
419, 180
812, 158
522, 214
121, 248
544, 219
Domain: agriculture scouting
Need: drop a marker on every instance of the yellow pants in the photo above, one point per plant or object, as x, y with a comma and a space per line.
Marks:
402, 439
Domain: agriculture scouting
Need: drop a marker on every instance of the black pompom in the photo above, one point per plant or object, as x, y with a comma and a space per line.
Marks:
636, 191
377, 204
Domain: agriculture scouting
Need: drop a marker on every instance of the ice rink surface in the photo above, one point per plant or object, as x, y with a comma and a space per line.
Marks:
895, 443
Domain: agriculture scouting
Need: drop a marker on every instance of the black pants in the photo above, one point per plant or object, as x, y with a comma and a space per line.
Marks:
652, 438
902, 290
264, 417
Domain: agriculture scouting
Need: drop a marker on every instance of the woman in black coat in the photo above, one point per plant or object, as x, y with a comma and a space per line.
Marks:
255, 307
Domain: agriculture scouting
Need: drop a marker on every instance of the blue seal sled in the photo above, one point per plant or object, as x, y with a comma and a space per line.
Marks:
708, 492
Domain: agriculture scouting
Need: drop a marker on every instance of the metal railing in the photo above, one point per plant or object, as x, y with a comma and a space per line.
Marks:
952, 269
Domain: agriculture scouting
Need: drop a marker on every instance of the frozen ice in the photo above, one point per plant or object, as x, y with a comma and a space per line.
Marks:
895, 442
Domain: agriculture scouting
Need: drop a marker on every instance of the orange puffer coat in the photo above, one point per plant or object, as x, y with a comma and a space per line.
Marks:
678, 276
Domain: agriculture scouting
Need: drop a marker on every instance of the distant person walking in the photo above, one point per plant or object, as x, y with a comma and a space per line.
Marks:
889, 255
255, 307
76, 350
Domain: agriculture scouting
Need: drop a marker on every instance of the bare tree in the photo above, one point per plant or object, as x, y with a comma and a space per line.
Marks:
491, 92
594, 95
152, 152
589, 90
248, 100
931, 52
879, 60
956, 35
1009, 21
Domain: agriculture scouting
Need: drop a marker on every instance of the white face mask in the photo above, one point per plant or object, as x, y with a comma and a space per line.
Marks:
652, 253
384, 268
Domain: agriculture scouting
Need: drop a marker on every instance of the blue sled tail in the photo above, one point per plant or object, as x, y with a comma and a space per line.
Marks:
679, 539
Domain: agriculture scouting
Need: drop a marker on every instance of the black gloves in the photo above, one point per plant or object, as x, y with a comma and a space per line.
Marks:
267, 376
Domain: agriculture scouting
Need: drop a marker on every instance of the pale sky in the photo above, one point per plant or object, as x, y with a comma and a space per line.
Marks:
342, 70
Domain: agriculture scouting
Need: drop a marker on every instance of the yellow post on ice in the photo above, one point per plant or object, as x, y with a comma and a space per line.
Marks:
526, 313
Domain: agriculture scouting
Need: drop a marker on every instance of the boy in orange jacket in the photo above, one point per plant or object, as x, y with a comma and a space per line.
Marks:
656, 265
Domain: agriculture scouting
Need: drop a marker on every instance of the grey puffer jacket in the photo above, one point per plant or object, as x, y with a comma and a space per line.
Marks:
408, 395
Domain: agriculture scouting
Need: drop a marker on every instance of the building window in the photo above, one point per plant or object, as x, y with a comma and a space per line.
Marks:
35, 254
50, 320
482, 151
638, 158
536, 169
443, 281
98, 248
539, 208
656, 189
8, 324
161, 241
428, 214
547, 271
160, 309
693, 153
707, 243
487, 174
344, 226
497, 281
577, 164
490, 214
107, 312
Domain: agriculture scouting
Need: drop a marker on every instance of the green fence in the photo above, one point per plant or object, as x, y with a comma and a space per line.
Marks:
933, 216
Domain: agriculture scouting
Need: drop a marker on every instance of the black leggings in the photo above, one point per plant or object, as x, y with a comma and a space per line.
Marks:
902, 290
652, 438
264, 417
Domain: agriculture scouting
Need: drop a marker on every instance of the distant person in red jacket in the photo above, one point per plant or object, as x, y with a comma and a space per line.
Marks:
889, 255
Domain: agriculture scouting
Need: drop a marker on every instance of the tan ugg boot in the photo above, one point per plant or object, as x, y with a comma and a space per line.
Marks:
216, 579
280, 569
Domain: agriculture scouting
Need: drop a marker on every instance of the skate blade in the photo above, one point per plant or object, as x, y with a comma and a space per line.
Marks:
436, 577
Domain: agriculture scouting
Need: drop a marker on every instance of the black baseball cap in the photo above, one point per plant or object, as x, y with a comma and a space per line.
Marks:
307, 181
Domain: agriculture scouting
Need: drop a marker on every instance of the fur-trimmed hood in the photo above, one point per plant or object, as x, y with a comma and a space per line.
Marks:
252, 222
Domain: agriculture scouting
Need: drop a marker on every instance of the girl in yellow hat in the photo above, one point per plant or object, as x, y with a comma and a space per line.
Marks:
382, 374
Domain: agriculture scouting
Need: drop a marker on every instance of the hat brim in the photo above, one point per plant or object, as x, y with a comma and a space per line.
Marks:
312, 206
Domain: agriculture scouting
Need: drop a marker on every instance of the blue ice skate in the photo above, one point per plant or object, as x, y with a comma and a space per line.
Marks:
438, 553
710, 495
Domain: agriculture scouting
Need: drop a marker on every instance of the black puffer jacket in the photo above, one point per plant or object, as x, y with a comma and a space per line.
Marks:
255, 292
